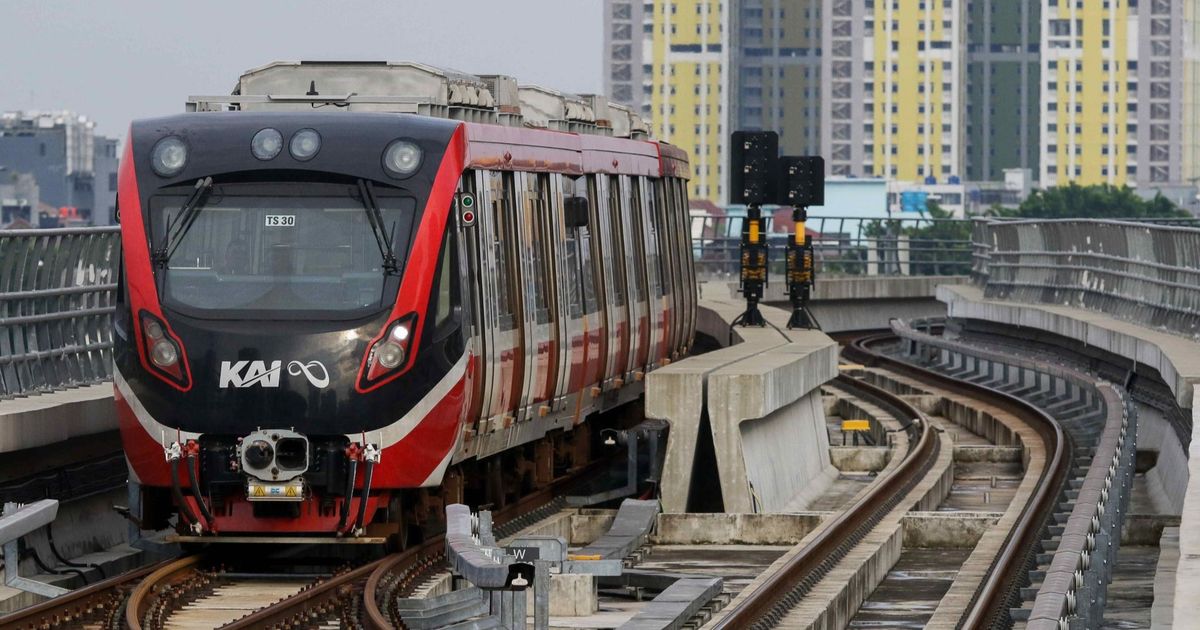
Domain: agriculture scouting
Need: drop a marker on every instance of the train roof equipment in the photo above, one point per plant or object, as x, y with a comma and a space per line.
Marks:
415, 88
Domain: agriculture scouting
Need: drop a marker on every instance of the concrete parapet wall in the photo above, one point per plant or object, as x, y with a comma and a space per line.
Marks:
946, 530
763, 407
1177, 360
736, 529
54, 417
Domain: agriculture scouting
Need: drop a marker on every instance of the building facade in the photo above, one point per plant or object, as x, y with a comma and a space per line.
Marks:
1002, 83
776, 56
1118, 97
894, 72
59, 150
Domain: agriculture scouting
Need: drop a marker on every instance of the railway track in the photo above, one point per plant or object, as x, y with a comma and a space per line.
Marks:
214, 590
768, 605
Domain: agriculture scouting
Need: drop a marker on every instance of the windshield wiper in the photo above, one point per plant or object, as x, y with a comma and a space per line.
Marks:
177, 229
375, 217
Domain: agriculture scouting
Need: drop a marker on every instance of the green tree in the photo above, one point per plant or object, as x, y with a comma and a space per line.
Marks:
1092, 202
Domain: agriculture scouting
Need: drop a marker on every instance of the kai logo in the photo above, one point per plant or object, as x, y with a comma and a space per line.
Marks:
243, 374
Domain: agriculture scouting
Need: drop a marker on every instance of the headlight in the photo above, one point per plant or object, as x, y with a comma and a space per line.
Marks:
164, 354
390, 355
305, 144
266, 144
169, 156
401, 158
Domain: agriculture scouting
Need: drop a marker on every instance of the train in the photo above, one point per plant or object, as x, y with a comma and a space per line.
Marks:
351, 293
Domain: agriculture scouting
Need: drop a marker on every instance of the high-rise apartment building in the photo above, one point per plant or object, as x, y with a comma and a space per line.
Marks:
625, 30
1117, 105
1003, 72
776, 59
893, 103
1090, 91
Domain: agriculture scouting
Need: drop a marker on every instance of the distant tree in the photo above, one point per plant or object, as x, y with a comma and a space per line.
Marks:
1092, 202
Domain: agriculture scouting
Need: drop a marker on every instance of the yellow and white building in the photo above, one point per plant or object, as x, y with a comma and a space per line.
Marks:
1119, 93
893, 104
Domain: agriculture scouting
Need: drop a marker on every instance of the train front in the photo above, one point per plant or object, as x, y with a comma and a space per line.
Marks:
289, 347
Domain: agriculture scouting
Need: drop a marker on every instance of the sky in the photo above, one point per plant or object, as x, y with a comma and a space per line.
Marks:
118, 60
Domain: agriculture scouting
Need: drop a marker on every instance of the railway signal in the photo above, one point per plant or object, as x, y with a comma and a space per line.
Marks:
758, 176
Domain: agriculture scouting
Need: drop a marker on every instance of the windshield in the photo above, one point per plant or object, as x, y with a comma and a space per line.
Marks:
299, 247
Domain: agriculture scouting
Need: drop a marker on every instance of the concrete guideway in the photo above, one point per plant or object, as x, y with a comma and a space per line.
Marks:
762, 404
53, 417
1177, 359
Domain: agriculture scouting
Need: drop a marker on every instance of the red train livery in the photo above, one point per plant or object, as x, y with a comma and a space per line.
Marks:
330, 320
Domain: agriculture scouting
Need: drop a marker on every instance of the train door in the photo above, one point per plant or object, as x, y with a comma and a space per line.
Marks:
616, 291
476, 313
503, 335
573, 355
690, 293
654, 274
639, 270
541, 338
670, 248
594, 274
568, 324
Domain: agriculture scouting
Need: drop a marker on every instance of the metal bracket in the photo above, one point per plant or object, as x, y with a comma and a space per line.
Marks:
19, 521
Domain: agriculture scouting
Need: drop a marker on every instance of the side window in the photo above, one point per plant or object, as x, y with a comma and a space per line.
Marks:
662, 232
637, 214
586, 187
539, 206
503, 191
573, 266
446, 272
618, 240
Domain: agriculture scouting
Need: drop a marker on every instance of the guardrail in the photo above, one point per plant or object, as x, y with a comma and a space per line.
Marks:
857, 246
1144, 272
57, 291
1102, 421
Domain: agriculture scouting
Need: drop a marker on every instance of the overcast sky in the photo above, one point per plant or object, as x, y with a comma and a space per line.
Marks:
116, 60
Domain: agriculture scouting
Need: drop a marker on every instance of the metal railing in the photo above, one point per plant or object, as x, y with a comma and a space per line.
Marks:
1144, 272
57, 291
857, 246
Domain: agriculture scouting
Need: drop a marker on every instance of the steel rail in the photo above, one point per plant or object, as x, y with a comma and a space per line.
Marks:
69, 609
143, 594
847, 525
999, 587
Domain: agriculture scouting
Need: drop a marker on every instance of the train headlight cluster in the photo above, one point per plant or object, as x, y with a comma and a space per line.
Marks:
163, 351
401, 158
391, 351
305, 144
267, 144
169, 156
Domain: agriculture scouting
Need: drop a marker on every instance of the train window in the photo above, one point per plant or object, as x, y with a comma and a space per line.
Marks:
573, 266
639, 237
446, 270
662, 232
273, 248
503, 192
618, 240
538, 213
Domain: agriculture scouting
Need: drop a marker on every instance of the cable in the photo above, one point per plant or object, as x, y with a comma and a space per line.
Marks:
195, 485
185, 510
349, 495
63, 561
366, 494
